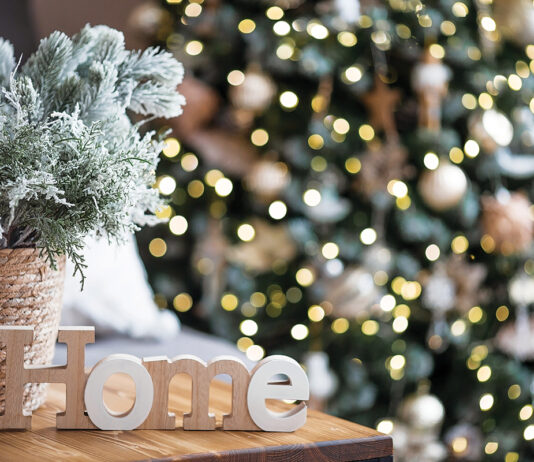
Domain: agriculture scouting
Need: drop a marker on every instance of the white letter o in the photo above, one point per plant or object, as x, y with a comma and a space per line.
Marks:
98, 412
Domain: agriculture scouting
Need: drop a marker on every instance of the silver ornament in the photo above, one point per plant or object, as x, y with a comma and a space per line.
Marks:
444, 187
439, 294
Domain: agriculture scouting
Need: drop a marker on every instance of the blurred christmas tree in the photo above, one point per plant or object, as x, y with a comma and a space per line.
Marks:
351, 185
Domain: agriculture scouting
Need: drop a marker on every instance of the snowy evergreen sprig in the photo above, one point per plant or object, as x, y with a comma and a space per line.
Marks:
71, 162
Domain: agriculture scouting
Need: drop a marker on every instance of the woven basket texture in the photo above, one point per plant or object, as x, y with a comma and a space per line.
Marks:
31, 294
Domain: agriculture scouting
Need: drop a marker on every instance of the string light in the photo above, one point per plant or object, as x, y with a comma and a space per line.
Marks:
235, 77
194, 47
368, 236
171, 148
353, 74
259, 137
189, 162
246, 26
299, 332
330, 250
166, 185
277, 210
274, 13
248, 327
229, 302
182, 302
340, 326
281, 28
347, 39
431, 161
255, 352
223, 187
305, 277
316, 313
288, 100
246, 232
157, 247
311, 197
178, 225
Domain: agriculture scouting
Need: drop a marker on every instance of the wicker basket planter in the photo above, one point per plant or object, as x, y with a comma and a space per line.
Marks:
30, 295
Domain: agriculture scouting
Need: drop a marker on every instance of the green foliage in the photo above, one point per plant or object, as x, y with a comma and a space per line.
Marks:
72, 163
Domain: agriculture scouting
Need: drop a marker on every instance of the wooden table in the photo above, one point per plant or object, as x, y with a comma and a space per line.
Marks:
323, 438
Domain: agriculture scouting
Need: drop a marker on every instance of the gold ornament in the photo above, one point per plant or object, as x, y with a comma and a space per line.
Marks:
507, 219
381, 103
267, 179
444, 187
270, 245
352, 293
381, 164
515, 20
430, 81
255, 93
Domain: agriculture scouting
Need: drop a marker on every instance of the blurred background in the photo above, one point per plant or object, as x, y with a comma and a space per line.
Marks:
350, 184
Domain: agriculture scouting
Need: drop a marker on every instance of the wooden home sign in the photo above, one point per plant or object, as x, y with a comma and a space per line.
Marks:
85, 407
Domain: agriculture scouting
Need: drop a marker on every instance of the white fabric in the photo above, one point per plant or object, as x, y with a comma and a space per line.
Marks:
116, 297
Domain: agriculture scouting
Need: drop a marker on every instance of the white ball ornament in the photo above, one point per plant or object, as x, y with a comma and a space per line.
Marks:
444, 187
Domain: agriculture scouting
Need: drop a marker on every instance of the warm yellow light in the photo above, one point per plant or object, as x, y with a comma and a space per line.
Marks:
385, 426
491, 447
387, 302
471, 148
502, 313
368, 236
397, 362
469, 101
246, 232
315, 141
164, 212
166, 185
316, 313
189, 162
460, 10
255, 352
182, 302
317, 30
157, 247
432, 252
526, 412
411, 290
288, 99
318, 164
274, 13
366, 132
370, 327
347, 39
311, 197
259, 137
485, 101
458, 327
299, 332
488, 24
305, 277
486, 402
223, 187
528, 434
484, 374
257, 299
212, 176
244, 343
341, 126
397, 188
459, 244
229, 302
340, 326
437, 51
400, 324
353, 165
178, 225
487, 243
194, 47
248, 327
246, 26
353, 74
277, 210
511, 457
456, 155
171, 148
193, 10
515, 82
403, 31
235, 77
514, 391
330, 250
281, 28
431, 161
448, 28
459, 444
475, 314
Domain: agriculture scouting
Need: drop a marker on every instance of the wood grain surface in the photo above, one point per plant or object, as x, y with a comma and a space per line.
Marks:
323, 438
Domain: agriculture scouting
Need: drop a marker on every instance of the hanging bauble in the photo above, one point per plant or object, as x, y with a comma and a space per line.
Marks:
516, 338
267, 179
378, 258
254, 92
322, 380
515, 20
347, 10
464, 442
352, 293
491, 129
507, 219
521, 289
444, 187
439, 294
423, 412
147, 19
270, 244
